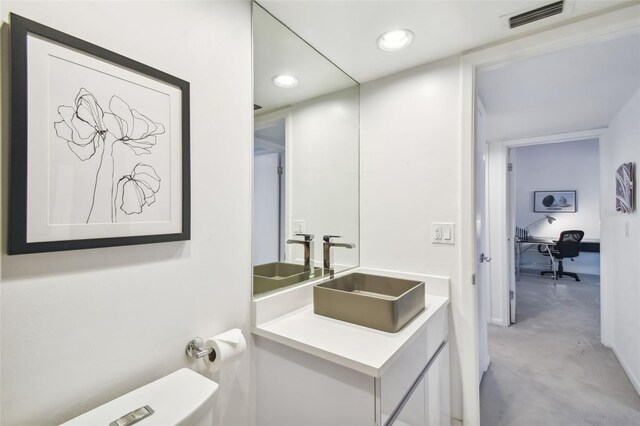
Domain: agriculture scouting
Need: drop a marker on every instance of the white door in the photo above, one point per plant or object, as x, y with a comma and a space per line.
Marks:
266, 208
482, 269
511, 232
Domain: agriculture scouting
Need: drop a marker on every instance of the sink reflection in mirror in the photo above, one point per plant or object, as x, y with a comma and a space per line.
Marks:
306, 156
277, 275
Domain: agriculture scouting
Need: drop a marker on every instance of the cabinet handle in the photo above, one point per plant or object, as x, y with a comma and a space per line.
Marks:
415, 384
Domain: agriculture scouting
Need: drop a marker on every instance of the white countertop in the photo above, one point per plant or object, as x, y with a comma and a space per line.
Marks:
360, 348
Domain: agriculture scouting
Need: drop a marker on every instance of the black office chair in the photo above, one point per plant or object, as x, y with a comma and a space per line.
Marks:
567, 247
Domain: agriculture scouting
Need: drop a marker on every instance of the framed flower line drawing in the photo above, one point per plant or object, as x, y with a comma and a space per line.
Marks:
99, 146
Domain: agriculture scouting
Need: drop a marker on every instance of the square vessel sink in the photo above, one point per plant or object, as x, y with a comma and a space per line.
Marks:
383, 303
273, 276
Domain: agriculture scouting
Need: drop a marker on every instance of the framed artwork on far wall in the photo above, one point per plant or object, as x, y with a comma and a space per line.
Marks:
99, 146
554, 201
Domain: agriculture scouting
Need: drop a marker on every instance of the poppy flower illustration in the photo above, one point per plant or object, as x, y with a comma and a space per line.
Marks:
138, 189
134, 129
88, 129
82, 126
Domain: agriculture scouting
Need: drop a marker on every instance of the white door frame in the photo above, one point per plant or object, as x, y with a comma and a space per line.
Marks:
483, 277
609, 25
500, 240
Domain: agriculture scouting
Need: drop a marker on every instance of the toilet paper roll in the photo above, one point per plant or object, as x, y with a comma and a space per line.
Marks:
227, 347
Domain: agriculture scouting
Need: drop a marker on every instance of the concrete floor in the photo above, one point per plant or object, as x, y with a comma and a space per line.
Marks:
550, 367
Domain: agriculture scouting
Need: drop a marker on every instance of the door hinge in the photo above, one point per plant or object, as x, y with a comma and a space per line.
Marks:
473, 279
280, 170
511, 295
510, 167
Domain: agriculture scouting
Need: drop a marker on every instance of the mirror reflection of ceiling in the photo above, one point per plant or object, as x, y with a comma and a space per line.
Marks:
270, 137
277, 50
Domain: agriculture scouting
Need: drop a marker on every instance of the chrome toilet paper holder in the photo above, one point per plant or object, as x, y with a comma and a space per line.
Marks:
195, 349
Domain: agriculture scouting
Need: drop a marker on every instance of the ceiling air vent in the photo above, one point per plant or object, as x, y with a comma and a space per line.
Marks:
256, 107
536, 14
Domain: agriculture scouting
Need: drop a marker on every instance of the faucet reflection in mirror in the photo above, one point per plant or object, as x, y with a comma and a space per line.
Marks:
307, 243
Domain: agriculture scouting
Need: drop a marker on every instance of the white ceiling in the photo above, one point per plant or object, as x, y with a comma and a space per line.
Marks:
346, 31
578, 88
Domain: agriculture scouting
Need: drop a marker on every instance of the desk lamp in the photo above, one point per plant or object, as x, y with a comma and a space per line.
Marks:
548, 218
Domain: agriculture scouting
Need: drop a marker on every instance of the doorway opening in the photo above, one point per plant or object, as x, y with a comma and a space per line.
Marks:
541, 129
553, 193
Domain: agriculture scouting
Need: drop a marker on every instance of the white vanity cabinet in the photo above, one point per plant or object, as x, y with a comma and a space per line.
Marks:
298, 384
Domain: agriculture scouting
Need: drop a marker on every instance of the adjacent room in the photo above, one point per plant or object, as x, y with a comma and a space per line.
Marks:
568, 173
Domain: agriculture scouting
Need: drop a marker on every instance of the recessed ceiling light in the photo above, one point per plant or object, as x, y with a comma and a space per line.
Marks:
286, 81
395, 40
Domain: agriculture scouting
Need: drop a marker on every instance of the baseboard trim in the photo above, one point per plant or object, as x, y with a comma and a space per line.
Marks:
499, 321
486, 366
632, 378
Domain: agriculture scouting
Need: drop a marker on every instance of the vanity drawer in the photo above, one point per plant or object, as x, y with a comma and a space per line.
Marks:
401, 375
438, 329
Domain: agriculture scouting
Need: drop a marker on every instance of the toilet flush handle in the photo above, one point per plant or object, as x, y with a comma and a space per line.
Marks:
133, 417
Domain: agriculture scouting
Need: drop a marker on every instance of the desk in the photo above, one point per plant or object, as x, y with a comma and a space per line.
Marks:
590, 245
547, 242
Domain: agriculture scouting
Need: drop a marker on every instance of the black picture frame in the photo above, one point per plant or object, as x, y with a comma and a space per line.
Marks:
17, 234
555, 201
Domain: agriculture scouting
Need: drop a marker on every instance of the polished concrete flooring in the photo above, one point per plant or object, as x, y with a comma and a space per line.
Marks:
550, 368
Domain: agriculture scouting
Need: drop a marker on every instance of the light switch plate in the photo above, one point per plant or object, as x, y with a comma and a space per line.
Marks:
443, 233
298, 227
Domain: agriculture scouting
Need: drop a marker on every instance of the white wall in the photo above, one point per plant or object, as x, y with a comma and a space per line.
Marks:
322, 172
410, 168
622, 145
80, 328
559, 166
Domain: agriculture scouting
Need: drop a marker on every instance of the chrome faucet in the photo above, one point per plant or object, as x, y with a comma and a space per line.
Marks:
307, 243
327, 262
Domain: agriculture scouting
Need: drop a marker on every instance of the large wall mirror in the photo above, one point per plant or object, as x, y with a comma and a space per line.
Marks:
306, 156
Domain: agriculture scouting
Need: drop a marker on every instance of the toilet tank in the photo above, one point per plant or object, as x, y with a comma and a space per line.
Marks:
184, 397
